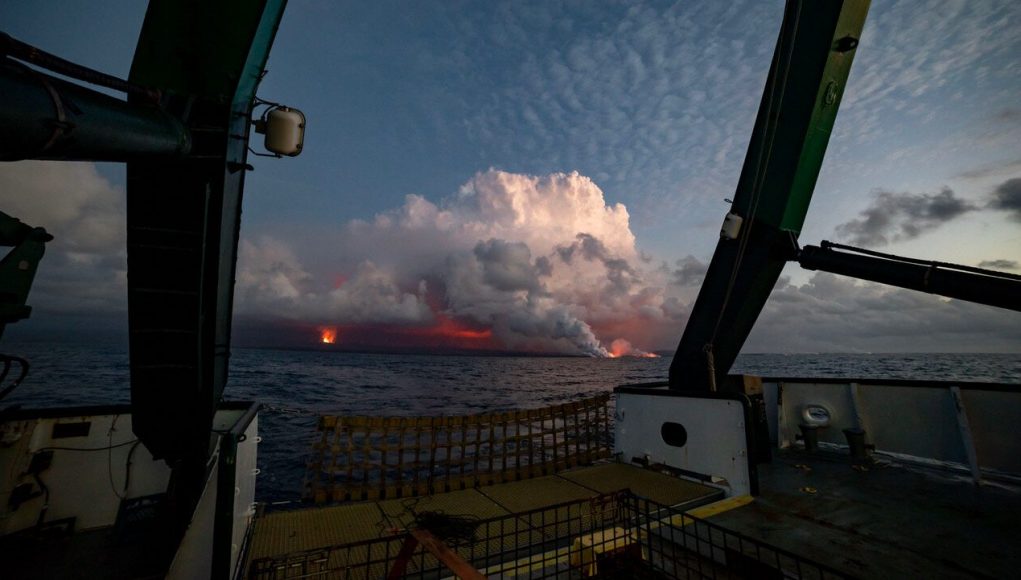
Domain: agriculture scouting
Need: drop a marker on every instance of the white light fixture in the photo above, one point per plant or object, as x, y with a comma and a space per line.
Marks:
731, 226
816, 415
284, 128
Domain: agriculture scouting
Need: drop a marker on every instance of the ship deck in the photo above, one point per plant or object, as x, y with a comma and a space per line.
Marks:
889, 520
280, 533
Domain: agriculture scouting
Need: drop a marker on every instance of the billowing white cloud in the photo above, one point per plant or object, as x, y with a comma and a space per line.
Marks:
272, 274
374, 297
531, 263
543, 262
76, 204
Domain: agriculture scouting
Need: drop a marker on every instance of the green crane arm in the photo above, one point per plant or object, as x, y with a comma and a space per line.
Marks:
799, 105
18, 267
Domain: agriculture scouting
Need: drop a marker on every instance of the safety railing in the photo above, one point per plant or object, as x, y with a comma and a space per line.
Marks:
617, 535
678, 545
365, 458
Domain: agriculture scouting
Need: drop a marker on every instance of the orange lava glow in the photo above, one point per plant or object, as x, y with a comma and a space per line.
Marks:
328, 335
622, 347
446, 327
443, 333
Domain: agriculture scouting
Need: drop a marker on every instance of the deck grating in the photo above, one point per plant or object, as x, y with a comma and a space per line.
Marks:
469, 502
643, 482
285, 532
293, 531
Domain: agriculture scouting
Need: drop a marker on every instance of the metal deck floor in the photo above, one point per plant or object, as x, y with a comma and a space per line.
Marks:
891, 521
285, 532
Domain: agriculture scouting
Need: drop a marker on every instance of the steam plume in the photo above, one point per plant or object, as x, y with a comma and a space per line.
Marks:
538, 263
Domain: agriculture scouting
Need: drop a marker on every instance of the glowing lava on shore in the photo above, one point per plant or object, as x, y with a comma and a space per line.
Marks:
328, 334
622, 347
443, 333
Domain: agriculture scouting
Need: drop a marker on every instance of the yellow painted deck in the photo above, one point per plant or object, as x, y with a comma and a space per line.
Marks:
280, 533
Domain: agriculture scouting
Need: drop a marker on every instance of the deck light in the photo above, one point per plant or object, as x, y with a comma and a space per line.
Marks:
816, 415
284, 128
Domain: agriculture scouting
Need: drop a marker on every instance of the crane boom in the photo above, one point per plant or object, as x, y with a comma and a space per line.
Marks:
799, 105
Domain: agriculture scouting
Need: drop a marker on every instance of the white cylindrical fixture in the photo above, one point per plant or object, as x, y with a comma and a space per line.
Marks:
731, 226
285, 131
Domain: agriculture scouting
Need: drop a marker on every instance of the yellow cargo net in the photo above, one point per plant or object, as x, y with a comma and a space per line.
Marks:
368, 458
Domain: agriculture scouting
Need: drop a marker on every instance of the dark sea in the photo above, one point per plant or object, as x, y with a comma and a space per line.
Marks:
296, 386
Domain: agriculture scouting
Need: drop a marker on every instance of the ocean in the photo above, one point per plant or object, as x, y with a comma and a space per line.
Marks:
296, 386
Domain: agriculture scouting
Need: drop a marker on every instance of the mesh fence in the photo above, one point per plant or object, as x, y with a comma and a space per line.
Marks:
365, 458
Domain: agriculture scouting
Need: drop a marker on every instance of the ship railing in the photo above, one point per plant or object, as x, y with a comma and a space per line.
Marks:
615, 535
367, 458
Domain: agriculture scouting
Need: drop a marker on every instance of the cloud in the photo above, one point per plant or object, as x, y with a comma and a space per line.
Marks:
999, 264
1008, 116
373, 296
508, 266
830, 313
995, 168
272, 273
650, 100
902, 216
1007, 197
690, 271
508, 261
902, 73
543, 263
85, 266
71, 200
272, 283
533, 263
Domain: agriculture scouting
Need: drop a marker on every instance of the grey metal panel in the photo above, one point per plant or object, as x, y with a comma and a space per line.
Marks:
244, 496
910, 419
995, 418
914, 421
194, 557
770, 391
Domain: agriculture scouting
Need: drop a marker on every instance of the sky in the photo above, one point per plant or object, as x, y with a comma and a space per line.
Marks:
550, 176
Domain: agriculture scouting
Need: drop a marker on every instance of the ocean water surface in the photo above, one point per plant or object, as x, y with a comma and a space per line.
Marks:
297, 386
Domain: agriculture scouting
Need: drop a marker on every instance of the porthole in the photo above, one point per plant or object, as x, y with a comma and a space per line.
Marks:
674, 434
